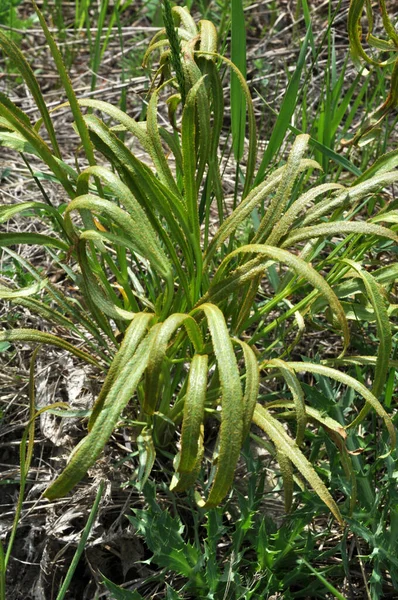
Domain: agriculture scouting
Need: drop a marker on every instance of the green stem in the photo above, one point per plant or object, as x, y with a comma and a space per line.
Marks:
2, 574
82, 543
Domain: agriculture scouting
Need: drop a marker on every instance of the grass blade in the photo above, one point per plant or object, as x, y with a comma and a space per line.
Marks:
14, 53
82, 542
77, 114
238, 57
328, 586
285, 113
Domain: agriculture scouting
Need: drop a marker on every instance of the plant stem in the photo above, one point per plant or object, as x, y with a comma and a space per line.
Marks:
82, 542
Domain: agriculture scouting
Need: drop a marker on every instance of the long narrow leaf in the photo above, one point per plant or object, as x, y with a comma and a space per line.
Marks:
282, 195
39, 239
223, 286
336, 228
21, 123
231, 428
133, 336
155, 363
275, 431
135, 227
238, 57
40, 337
193, 413
77, 114
384, 334
19, 60
355, 385
252, 385
298, 396
87, 451
285, 113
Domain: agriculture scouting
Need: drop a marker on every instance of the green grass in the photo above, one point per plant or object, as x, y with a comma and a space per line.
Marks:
10, 19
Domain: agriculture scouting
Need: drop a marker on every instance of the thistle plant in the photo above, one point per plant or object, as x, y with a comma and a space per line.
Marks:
177, 293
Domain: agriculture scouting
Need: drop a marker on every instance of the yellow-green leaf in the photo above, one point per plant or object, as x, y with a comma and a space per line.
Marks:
283, 443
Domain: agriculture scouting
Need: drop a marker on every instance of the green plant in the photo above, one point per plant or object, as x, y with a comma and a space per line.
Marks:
10, 18
257, 560
176, 316
359, 55
103, 19
82, 543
